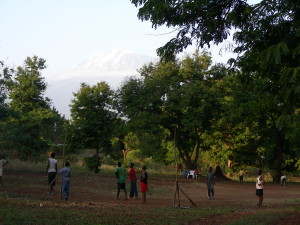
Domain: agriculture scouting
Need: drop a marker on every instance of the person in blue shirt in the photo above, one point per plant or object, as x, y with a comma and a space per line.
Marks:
66, 173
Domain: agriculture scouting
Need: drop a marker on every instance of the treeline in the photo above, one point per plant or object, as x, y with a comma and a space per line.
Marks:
203, 111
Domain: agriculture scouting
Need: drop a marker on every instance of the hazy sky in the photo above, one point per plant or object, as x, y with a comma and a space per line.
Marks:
66, 32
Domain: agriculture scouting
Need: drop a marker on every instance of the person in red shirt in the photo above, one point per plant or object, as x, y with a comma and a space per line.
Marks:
133, 179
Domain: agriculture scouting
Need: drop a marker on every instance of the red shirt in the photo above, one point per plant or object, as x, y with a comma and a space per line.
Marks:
132, 175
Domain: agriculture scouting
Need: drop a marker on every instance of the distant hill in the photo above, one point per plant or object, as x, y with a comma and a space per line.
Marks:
111, 66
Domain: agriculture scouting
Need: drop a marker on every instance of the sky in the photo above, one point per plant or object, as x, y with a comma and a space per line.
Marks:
67, 32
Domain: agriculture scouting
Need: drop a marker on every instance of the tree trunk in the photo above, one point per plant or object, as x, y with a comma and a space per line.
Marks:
219, 173
97, 160
279, 156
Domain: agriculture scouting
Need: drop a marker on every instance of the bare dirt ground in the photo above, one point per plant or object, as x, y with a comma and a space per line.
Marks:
100, 190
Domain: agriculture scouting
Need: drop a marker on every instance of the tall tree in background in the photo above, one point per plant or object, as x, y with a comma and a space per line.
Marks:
179, 97
31, 112
93, 118
5, 83
267, 37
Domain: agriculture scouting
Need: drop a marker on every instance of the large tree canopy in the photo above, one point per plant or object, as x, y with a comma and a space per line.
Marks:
31, 119
93, 118
174, 100
266, 37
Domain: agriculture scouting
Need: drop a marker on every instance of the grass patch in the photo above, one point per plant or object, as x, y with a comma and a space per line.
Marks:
266, 217
24, 212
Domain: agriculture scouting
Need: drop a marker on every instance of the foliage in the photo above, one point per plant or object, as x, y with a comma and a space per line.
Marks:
92, 117
31, 120
5, 82
266, 36
172, 101
92, 163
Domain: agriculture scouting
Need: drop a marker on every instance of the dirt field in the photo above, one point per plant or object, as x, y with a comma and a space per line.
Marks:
100, 190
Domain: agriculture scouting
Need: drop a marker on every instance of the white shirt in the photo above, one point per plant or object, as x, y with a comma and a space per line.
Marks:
52, 164
2, 162
259, 183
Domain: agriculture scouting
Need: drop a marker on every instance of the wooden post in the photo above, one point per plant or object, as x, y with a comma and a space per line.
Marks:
176, 201
63, 162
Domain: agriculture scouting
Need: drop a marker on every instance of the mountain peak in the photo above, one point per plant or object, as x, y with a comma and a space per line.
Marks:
114, 60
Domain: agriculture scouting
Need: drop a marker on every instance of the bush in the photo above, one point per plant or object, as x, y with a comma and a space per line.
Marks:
92, 163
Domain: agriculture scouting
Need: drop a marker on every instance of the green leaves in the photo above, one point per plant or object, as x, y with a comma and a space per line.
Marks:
31, 120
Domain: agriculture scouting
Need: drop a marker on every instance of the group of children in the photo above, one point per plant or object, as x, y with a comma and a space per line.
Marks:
121, 174
51, 171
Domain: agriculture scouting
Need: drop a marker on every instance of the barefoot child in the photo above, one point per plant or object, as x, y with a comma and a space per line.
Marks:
144, 183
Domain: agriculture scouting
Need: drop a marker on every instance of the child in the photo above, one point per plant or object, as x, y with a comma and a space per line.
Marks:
210, 176
66, 173
3, 163
144, 183
283, 181
133, 187
51, 171
121, 177
260, 187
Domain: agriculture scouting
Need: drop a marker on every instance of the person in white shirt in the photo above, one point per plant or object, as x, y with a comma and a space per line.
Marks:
51, 171
3, 162
260, 187
283, 181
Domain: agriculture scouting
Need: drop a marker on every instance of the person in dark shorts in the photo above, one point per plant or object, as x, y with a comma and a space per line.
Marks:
51, 171
260, 187
121, 177
144, 183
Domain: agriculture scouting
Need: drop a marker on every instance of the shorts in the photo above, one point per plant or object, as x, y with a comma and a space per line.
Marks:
121, 186
51, 177
259, 192
1, 172
143, 187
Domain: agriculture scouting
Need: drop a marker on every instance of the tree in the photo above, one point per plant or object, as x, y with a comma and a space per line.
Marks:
93, 118
173, 97
5, 82
267, 41
31, 115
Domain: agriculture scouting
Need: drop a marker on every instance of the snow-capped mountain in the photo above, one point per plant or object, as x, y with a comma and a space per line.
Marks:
114, 60
111, 66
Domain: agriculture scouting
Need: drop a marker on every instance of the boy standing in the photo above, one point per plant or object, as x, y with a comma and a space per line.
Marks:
132, 177
66, 174
144, 183
210, 176
260, 187
121, 177
51, 171
3, 163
